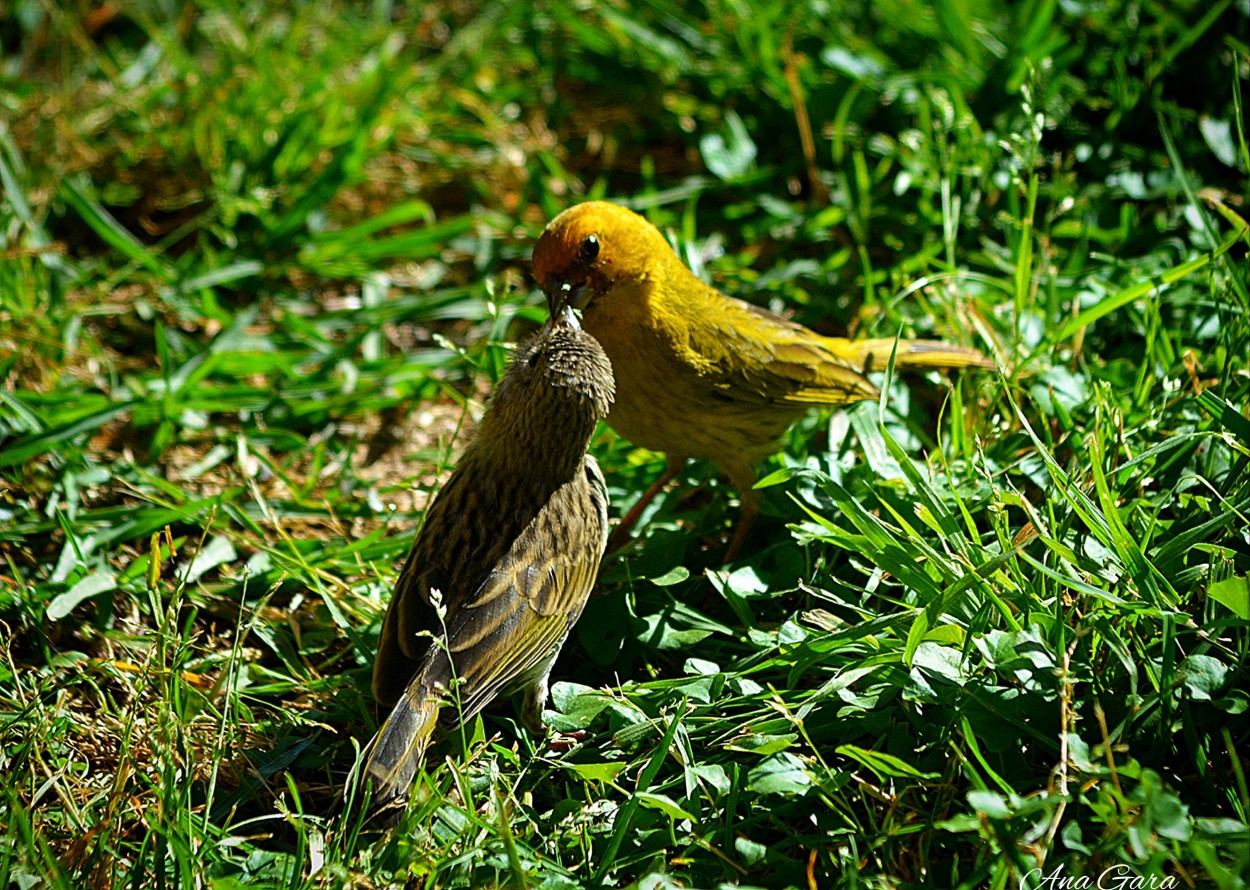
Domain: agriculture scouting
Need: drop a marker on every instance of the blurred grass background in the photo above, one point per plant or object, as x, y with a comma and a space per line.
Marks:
260, 264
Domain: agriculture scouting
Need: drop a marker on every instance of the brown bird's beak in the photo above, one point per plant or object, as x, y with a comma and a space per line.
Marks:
566, 316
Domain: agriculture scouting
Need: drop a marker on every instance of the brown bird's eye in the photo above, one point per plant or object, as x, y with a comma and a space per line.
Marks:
589, 249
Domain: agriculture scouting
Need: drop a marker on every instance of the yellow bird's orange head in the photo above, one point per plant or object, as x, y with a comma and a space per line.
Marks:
592, 249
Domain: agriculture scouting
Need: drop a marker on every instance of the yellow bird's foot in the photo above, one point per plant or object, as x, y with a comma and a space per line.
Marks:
621, 534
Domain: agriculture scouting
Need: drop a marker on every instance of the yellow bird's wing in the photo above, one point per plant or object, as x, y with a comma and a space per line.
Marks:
754, 356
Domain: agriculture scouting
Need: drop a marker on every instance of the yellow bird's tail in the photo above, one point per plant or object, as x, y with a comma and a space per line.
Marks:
391, 760
923, 355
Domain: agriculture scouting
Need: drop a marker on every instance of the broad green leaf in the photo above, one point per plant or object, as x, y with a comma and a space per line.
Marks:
1205, 677
782, 773
991, 803
91, 585
665, 805
675, 575
729, 157
596, 772
750, 851
1234, 594
217, 551
763, 743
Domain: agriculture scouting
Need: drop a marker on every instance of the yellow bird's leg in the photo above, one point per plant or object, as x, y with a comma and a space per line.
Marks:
741, 472
749, 500
620, 535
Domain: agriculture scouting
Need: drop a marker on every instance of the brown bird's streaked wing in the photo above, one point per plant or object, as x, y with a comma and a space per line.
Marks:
509, 633
462, 536
503, 635
391, 759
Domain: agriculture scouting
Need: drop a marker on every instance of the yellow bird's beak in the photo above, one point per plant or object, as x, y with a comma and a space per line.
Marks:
575, 296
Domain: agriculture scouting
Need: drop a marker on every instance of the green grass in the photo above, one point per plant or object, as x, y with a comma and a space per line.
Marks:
257, 273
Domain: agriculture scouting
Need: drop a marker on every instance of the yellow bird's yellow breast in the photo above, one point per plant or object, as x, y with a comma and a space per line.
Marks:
665, 400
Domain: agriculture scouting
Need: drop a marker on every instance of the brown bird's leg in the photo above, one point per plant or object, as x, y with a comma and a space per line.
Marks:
535, 699
620, 535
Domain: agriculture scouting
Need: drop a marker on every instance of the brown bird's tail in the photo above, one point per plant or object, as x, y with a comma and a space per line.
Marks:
393, 757
923, 355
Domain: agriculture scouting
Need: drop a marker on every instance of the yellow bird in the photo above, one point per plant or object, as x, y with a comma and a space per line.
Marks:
505, 560
699, 374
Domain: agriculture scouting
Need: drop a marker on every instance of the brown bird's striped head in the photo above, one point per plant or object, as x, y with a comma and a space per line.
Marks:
559, 386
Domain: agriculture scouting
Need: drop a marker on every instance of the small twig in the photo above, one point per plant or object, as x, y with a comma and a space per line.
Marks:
1106, 742
820, 194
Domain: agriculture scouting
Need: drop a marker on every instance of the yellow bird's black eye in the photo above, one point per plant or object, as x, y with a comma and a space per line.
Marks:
589, 250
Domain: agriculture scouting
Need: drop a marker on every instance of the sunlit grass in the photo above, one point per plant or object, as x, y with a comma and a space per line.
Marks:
258, 270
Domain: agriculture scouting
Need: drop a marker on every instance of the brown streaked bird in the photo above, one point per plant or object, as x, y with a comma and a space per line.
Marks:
508, 552
699, 374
